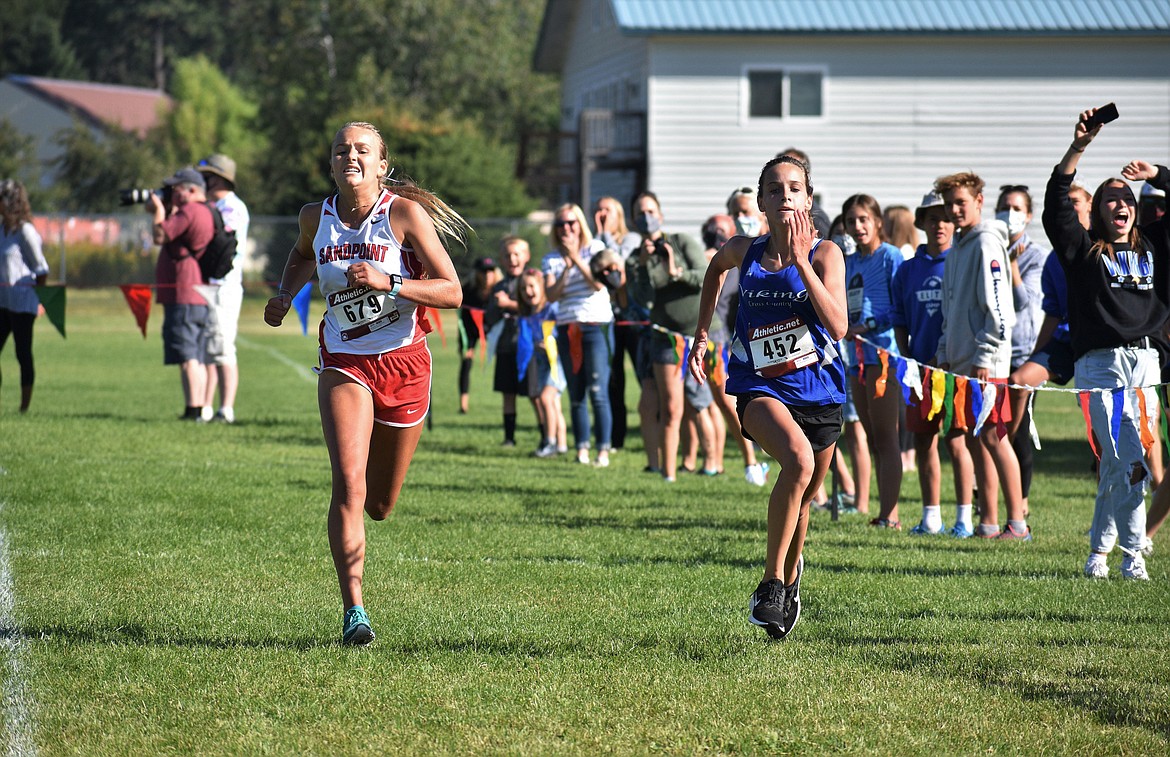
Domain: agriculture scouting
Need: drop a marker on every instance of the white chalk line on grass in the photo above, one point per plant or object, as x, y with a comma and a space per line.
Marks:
17, 711
300, 369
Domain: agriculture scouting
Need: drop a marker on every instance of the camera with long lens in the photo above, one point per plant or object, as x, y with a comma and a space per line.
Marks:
137, 196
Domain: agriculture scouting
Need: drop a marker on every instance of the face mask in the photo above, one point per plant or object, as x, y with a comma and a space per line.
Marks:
714, 237
847, 244
612, 279
648, 224
1016, 220
748, 226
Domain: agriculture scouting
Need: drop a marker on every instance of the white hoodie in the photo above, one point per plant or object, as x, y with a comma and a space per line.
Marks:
978, 313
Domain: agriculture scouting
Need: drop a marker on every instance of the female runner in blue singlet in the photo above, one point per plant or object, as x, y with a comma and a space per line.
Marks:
785, 372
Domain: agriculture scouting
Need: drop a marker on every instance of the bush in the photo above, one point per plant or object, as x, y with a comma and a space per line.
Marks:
91, 265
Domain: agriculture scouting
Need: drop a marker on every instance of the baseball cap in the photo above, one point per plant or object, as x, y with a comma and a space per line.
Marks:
220, 165
929, 200
485, 264
187, 175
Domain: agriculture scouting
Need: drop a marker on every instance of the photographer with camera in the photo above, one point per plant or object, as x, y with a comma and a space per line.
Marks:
182, 227
673, 265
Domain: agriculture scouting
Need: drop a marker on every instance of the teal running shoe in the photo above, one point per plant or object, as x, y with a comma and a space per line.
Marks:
357, 630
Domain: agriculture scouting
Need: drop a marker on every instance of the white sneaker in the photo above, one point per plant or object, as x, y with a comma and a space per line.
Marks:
205, 414
583, 456
225, 415
1096, 567
602, 460
755, 475
1147, 546
1134, 566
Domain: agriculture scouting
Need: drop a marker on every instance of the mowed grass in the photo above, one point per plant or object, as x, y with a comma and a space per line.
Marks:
174, 591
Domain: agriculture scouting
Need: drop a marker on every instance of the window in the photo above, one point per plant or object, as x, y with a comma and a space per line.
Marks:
785, 93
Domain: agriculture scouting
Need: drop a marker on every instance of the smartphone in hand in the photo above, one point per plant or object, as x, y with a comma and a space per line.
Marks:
1103, 115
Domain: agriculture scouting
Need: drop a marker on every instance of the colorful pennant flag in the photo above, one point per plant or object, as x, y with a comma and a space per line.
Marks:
301, 305
53, 300
138, 298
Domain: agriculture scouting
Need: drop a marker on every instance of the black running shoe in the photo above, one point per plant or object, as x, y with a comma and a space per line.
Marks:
767, 607
792, 599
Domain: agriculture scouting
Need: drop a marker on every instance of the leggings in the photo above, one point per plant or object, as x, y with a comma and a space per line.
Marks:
20, 325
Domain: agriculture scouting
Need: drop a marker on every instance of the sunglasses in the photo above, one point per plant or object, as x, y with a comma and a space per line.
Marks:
1013, 188
564, 223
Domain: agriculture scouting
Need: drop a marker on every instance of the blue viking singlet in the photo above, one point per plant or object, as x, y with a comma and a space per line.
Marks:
780, 347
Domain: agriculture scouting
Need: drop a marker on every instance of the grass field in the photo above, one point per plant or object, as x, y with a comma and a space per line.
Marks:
169, 590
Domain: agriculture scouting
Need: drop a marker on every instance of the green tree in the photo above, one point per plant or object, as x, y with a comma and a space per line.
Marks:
31, 41
210, 115
96, 165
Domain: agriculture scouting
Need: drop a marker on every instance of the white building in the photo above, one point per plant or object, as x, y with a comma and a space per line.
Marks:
689, 98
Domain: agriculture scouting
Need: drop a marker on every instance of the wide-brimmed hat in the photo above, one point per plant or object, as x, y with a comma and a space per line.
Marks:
929, 200
186, 175
220, 165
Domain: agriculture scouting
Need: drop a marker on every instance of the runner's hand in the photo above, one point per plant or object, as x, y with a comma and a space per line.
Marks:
277, 308
697, 362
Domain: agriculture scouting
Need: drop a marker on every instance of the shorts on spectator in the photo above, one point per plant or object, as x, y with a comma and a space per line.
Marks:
506, 378
849, 410
183, 333
821, 424
542, 369
224, 323
1057, 359
696, 395
917, 423
399, 381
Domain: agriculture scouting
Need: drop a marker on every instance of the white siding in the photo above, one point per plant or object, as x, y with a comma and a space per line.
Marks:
603, 69
898, 114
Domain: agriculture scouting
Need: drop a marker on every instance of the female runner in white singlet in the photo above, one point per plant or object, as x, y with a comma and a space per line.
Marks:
380, 264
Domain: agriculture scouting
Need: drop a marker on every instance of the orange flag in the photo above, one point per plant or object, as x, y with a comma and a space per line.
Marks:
879, 387
1146, 435
138, 298
960, 421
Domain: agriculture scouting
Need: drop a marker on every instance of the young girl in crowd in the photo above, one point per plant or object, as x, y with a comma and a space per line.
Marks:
547, 383
869, 276
784, 370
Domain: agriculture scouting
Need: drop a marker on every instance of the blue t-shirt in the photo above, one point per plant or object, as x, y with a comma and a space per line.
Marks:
869, 283
918, 302
780, 347
1054, 286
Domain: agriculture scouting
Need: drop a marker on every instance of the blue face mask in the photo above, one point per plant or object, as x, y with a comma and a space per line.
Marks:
648, 224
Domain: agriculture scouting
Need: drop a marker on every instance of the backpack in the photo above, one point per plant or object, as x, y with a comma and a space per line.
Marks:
221, 250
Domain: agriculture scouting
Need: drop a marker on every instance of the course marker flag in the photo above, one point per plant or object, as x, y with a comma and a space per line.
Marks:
138, 298
53, 300
301, 305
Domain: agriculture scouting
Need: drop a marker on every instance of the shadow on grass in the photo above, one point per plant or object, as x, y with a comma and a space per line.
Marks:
137, 635
1111, 702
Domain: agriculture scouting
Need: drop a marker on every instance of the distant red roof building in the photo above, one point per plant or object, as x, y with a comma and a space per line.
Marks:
133, 109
